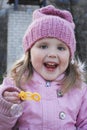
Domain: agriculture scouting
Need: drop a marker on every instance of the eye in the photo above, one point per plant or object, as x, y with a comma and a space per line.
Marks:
61, 48
43, 46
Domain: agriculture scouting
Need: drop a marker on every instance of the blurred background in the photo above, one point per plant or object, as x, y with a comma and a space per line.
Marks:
15, 16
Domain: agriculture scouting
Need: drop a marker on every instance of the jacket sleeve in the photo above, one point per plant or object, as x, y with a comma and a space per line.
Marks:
82, 116
7, 120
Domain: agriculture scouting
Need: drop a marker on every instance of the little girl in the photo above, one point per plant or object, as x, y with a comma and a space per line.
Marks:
50, 70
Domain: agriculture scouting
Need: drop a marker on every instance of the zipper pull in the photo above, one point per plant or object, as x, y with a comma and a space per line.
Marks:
48, 84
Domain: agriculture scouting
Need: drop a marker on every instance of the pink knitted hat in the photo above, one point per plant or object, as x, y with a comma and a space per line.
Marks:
51, 22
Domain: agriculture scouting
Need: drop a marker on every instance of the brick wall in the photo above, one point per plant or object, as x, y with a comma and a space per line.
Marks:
18, 22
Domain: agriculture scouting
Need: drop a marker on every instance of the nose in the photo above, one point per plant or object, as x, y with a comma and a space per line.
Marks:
52, 55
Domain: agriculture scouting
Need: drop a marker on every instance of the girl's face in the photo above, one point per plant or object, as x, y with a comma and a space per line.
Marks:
50, 58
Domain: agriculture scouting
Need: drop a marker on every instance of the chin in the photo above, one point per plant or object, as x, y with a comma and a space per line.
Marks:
50, 79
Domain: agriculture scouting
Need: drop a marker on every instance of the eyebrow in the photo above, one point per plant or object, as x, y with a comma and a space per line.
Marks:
61, 44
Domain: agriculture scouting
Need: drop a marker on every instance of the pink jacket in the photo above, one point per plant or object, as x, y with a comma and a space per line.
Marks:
53, 112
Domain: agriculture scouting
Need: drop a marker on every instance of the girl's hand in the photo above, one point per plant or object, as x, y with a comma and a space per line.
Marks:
11, 96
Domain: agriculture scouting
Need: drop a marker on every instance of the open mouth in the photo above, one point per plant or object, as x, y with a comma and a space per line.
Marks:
51, 65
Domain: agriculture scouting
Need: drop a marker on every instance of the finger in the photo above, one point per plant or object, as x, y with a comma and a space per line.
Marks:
12, 99
8, 98
6, 93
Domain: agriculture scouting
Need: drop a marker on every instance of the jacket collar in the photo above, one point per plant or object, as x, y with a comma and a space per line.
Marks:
39, 79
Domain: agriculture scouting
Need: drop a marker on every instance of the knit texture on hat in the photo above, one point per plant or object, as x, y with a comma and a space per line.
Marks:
51, 22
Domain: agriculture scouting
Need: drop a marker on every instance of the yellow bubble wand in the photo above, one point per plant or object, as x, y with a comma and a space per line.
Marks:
29, 96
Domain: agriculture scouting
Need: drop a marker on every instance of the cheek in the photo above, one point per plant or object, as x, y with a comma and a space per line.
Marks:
65, 60
36, 56
36, 61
